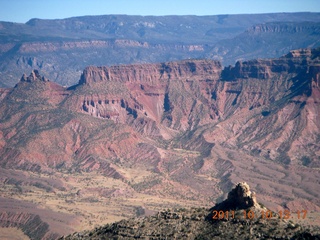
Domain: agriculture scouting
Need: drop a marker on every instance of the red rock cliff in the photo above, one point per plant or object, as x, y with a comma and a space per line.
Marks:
195, 69
295, 62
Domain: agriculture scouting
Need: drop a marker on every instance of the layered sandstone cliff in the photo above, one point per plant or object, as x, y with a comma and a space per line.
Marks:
148, 93
297, 61
150, 73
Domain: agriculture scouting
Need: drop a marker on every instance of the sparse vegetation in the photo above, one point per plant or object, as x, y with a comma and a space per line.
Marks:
306, 161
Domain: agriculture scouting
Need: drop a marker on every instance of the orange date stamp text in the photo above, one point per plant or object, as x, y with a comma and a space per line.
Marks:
267, 214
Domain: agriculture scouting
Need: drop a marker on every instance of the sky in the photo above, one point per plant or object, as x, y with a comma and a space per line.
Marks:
23, 10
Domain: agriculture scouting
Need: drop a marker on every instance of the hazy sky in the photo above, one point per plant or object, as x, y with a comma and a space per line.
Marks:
23, 10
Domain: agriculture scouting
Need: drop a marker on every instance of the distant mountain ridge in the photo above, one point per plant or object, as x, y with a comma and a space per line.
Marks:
62, 48
259, 41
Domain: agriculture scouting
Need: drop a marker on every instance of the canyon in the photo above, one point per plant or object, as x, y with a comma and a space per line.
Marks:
130, 140
62, 48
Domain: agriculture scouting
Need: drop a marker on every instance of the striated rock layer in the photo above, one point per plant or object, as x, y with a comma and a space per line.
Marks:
149, 73
30, 224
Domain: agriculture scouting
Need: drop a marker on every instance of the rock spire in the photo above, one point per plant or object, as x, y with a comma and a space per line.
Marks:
34, 76
239, 197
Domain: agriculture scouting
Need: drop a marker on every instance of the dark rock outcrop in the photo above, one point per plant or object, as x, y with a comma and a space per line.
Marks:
239, 198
